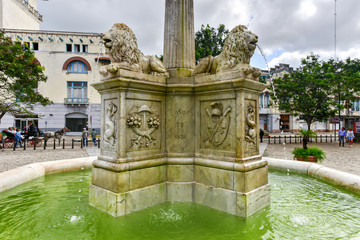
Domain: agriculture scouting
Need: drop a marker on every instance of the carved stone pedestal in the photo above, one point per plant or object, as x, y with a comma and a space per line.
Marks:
189, 139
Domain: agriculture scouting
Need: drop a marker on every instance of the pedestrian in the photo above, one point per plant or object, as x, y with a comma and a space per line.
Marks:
350, 136
93, 136
85, 135
18, 138
1, 142
32, 129
342, 135
261, 135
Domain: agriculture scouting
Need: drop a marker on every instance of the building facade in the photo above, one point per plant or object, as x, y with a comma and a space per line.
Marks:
71, 60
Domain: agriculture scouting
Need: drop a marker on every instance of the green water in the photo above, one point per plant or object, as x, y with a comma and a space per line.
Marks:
56, 207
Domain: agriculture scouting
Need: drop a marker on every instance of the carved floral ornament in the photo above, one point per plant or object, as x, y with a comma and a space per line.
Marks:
143, 123
218, 123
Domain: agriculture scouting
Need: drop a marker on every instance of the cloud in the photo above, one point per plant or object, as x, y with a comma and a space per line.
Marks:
292, 28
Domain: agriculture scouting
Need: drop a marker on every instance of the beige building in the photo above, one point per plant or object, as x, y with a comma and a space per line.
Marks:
71, 65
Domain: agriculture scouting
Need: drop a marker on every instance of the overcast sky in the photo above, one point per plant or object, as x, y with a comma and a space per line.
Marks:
288, 30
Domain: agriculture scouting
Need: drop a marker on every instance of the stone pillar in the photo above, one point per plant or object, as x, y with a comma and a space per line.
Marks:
179, 38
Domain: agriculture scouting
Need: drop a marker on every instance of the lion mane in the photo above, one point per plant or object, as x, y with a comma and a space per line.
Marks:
238, 49
121, 46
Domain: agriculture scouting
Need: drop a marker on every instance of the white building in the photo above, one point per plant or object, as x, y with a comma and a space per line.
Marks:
70, 61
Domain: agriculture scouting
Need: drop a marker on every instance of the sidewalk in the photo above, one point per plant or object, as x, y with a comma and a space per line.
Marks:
340, 158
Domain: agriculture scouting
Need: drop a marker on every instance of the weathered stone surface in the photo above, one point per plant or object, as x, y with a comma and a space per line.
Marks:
180, 192
217, 198
251, 202
179, 38
187, 137
180, 173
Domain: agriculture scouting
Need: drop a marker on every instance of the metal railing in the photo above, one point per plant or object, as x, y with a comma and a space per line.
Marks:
298, 139
76, 101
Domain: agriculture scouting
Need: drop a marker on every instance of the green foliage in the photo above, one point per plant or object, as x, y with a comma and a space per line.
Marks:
311, 91
307, 132
209, 41
20, 74
311, 151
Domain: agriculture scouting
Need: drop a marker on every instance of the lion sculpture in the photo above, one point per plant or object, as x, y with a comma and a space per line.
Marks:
121, 45
239, 47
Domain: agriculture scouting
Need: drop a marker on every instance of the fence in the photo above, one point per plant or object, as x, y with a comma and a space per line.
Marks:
37, 143
298, 139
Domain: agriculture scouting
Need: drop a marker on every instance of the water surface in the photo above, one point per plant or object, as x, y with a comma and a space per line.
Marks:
56, 207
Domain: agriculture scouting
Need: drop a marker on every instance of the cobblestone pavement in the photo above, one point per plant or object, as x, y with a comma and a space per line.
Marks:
341, 158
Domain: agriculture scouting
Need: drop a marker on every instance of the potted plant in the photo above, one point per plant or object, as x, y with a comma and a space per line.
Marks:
311, 154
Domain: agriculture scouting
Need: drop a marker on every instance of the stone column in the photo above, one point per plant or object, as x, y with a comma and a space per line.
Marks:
179, 38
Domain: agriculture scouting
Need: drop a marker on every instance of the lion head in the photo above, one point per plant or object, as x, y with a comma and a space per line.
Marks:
121, 44
240, 45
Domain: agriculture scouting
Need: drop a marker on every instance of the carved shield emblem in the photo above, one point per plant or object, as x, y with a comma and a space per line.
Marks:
218, 123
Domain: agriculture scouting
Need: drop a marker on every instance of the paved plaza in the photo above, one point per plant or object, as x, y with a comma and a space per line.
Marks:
341, 158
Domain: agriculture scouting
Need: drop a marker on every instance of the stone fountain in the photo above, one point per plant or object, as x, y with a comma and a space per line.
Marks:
176, 131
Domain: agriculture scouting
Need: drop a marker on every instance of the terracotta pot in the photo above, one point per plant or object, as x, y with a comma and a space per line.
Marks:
308, 159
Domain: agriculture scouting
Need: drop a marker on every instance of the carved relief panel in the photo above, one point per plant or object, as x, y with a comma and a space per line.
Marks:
250, 128
217, 125
143, 122
110, 110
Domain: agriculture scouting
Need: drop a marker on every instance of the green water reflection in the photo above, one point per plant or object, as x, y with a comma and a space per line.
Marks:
56, 207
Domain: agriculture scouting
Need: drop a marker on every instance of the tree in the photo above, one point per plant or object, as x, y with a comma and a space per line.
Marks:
306, 92
209, 41
344, 76
20, 74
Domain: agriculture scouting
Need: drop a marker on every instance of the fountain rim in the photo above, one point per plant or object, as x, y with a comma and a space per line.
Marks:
15, 177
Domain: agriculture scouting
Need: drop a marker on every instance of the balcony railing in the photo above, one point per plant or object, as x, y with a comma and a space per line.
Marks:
79, 101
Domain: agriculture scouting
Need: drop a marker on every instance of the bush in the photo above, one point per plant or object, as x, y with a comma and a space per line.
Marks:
311, 151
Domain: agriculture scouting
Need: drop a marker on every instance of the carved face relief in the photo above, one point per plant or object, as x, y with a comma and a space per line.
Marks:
143, 122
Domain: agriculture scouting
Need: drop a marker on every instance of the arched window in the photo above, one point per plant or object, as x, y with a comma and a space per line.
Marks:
77, 67
261, 100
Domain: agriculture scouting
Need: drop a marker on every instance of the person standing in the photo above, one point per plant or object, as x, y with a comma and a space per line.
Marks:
350, 136
85, 135
342, 135
1, 142
93, 136
261, 135
18, 138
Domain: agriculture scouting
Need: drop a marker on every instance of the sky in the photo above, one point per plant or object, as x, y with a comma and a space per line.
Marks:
288, 30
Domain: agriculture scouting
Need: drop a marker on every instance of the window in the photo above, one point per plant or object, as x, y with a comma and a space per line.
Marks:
77, 67
85, 48
26, 45
266, 100
35, 46
68, 47
261, 100
77, 92
76, 47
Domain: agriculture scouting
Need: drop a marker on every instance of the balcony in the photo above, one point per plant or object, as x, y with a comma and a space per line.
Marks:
76, 101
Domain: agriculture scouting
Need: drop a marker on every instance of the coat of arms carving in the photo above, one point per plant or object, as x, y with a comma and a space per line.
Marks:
143, 121
218, 123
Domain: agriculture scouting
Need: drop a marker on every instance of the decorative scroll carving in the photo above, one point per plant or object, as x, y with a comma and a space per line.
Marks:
251, 124
121, 46
143, 122
239, 47
217, 124
109, 133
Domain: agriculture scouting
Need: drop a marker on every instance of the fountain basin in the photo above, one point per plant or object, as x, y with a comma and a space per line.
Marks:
56, 207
